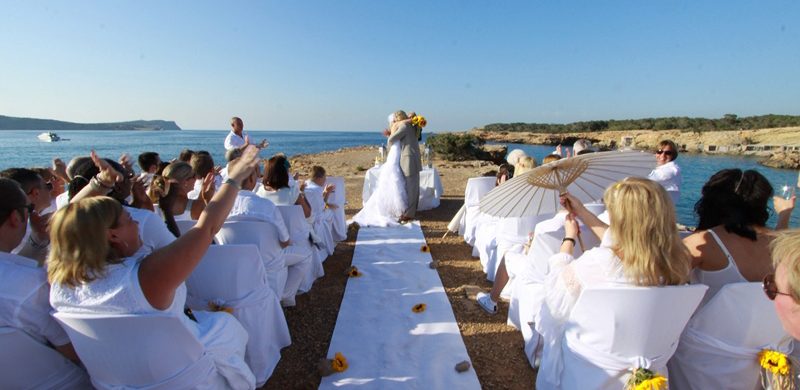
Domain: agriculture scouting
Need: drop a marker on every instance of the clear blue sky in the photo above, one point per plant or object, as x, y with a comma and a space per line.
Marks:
344, 65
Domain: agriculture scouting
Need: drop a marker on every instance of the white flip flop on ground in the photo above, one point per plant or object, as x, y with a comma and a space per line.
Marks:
386, 344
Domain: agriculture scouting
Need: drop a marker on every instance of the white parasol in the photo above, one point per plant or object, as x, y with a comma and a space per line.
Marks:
586, 177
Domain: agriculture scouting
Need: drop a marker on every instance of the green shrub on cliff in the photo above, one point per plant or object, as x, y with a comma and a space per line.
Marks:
455, 147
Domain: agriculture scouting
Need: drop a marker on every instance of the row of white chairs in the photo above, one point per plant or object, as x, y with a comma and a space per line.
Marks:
243, 275
612, 330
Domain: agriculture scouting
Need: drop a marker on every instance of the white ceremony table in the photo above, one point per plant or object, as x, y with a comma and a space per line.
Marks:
430, 187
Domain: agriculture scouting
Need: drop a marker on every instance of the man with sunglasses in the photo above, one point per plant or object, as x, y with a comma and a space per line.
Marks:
25, 294
36, 240
667, 172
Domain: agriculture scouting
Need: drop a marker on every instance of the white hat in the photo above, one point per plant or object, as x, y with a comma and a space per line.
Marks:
391, 118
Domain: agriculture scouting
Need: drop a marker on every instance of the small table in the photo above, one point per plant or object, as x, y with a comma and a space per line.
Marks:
430, 187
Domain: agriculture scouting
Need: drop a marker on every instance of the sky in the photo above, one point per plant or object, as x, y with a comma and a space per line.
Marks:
345, 65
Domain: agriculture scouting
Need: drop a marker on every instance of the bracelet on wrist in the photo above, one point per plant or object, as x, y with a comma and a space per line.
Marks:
38, 245
570, 239
233, 183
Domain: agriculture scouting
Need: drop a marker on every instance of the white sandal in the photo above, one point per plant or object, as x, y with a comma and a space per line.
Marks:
486, 303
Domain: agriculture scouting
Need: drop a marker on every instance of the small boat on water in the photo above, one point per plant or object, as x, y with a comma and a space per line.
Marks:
49, 137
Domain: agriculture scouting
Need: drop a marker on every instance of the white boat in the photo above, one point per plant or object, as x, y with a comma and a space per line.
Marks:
49, 137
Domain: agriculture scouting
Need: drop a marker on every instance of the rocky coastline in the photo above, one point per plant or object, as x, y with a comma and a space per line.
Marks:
779, 147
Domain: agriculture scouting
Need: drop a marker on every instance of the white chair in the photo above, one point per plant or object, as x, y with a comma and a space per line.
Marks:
338, 198
133, 351
612, 330
233, 276
299, 231
528, 272
265, 237
511, 234
719, 348
477, 187
29, 364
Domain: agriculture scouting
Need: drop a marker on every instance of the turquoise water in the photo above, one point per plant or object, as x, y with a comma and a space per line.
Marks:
695, 170
22, 148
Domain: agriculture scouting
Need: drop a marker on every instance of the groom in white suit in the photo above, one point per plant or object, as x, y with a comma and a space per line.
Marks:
410, 162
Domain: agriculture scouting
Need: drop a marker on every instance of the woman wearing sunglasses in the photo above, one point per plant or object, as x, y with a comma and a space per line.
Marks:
783, 286
667, 172
731, 242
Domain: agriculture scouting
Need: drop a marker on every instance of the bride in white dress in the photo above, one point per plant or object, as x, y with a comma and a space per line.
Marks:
388, 201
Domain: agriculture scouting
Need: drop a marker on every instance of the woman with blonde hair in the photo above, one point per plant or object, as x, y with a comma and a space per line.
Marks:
783, 287
525, 164
641, 247
93, 268
171, 191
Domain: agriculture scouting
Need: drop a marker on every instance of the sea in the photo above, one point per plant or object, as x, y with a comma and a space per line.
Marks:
21, 148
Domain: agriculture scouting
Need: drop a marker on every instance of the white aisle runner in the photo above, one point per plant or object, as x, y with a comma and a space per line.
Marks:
387, 346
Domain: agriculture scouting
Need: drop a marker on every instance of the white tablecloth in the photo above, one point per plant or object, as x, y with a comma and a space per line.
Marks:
430, 187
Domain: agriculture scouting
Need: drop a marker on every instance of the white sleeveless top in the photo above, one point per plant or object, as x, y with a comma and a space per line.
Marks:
716, 279
116, 292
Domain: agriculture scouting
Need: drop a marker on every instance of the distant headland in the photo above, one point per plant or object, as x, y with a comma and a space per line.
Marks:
12, 123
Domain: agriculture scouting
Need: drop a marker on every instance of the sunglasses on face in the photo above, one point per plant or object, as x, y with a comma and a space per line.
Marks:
667, 152
771, 289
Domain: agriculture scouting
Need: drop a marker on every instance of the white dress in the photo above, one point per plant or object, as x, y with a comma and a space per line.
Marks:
119, 292
389, 200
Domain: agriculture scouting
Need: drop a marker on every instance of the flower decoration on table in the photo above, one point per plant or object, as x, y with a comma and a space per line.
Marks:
424, 249
339, 363
353, 272
419, 308
419, 121
214, 306
776, 370
644, 379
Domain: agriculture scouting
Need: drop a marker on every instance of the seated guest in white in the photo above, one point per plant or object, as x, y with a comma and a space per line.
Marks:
24, 292
171, 191
102, 276
667, 171
202, 164
54, 183
784, 286
640, 248
149, 163
276, 188
251, 207
731, 242
34, 244
152, 228
513, 156
317, 193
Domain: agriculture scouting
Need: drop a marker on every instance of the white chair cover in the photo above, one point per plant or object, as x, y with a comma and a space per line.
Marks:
265, 237
144, 352
233, 276
612, 330
339, 231
511, 234
29, 364
719, 348
477, 187
299, 231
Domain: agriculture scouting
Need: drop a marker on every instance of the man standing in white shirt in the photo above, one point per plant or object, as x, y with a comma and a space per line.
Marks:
237, 137
667, 172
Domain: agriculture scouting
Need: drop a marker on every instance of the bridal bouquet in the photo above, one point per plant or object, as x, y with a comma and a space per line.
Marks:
419, 121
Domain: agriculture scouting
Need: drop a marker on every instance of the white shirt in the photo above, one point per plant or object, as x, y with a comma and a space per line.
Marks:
250, 207
281, 197
194, 194
25, 300
668, 175
152, 230
233, 141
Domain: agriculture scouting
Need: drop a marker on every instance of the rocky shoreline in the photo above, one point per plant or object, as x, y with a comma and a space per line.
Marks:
780, 146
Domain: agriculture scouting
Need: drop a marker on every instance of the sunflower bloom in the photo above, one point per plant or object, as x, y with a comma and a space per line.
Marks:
419, 308
339, 363
425, 249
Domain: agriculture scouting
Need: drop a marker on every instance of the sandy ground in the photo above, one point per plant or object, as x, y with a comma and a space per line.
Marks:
495, 348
